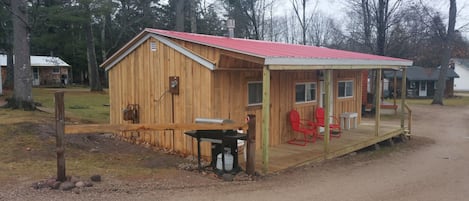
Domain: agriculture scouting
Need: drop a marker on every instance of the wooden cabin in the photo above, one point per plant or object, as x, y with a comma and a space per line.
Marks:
422, 81
175, 77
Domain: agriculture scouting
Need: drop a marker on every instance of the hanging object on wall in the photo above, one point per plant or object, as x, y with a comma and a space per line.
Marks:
131, 113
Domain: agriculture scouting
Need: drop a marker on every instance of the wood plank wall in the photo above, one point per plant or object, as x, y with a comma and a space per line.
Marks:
142, 78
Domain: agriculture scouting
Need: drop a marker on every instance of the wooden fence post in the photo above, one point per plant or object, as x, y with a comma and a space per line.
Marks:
251, 145
60, 132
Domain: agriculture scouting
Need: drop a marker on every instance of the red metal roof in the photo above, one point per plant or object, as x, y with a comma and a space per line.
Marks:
268, 49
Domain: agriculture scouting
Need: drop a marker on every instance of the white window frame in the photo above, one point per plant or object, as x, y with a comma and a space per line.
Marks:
345, 89
56, 72
306, 90
254, 82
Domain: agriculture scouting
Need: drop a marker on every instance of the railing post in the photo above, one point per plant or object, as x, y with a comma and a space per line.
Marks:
60, 132
251, 145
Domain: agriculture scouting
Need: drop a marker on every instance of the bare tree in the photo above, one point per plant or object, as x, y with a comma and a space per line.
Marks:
448, 43
22, 92
297, 6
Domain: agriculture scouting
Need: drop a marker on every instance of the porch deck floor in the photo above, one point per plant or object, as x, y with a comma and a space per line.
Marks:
285, 156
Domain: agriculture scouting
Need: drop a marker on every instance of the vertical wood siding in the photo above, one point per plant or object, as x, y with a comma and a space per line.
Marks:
142, 78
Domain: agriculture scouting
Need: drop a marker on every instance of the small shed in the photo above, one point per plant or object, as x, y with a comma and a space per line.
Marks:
422, 82
47, 70
175, 77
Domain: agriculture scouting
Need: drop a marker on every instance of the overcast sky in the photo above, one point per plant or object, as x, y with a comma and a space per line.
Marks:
337, 9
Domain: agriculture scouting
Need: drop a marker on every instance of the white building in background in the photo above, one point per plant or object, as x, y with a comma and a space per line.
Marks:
47, 70
461, 67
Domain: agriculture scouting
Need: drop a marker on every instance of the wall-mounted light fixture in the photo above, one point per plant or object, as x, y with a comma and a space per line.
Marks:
320, 74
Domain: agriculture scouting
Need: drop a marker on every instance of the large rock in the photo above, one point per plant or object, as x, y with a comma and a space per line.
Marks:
65, 186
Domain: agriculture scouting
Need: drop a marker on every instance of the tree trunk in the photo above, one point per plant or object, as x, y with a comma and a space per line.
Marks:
93, 73
381, 24
22, 92
179, 15
365, 6
10, 77
448, 43
193, 9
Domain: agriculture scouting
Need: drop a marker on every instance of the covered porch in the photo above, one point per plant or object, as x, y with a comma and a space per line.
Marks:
367, 133
286, 156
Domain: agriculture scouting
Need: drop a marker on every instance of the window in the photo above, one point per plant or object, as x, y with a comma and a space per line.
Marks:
56, 70
345, 89
305, 92
254, 93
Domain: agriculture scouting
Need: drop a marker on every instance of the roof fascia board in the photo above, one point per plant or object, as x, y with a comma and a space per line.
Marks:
333, 62
334, 67
127, 52
202, 61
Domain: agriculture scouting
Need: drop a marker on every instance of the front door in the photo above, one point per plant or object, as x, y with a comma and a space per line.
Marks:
423, 88
35, 76
322, 97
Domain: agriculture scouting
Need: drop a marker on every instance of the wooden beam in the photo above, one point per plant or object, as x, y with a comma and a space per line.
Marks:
115, 128
378, 101
327, 109
59, 131
251, 146
243, 57
394, 95
403, 95
265, 118
238, 69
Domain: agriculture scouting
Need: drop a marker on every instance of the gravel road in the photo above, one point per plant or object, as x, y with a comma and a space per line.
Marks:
432, 166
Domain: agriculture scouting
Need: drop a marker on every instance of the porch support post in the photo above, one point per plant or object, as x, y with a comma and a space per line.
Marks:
403, 95
394, 88
378, 101
327, 109
265, 118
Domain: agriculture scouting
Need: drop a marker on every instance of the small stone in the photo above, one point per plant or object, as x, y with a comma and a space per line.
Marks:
39, 185
108, 135
50, 182
74, 179
28, 148
353, 153
65, 186
56, 185
96, 178
88, 184
94, 150
227, 177
80, 184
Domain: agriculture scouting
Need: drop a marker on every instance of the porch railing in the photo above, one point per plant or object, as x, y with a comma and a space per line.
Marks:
409, 117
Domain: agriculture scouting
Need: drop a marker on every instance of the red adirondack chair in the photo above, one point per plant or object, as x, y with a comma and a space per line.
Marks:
334, 126
307, 129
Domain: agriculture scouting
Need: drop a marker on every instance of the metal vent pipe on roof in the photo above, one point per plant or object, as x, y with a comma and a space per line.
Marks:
230, 23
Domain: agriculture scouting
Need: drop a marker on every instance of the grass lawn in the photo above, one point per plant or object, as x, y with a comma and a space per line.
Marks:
27, 142
80, 103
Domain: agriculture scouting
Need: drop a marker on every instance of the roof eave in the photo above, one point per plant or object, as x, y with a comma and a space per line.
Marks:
318, 63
